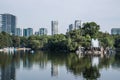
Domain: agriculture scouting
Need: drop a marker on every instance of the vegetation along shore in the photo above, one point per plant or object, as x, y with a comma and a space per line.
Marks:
68, 42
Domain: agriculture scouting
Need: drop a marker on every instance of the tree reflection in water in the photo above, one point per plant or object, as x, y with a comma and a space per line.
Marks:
83, 66
78, 66
91, 73
116, 63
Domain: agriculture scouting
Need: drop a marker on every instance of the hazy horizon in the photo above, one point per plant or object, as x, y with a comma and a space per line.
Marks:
39, 13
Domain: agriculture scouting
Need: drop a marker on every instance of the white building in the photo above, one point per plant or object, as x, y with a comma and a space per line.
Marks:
54, 27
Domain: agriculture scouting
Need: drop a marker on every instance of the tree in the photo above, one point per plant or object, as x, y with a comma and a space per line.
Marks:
23, 41
34, 44
91, 28
106, 40
5, 40
16, 41
117, 41
91, 73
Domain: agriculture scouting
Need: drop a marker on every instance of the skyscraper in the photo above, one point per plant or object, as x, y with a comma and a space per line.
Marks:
30, 31
8, 23
27, 32
115, 31
71, 27
77, 24
18, 32
54, 29
43, 31
36, 33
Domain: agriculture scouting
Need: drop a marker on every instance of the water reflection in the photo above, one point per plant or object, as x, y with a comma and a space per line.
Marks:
88, 67
83, 67
116, 64
54, 70
8, 73
7, 67
91, 73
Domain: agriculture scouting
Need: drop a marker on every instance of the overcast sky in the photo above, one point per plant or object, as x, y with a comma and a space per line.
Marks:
40, 13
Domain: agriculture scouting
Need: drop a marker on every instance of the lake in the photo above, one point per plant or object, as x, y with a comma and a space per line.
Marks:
58, 66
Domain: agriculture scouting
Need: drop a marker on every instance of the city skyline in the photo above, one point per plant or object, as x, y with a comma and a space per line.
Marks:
39, 13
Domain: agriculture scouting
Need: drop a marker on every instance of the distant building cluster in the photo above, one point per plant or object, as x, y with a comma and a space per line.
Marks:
42, 31
76, 25
8, 25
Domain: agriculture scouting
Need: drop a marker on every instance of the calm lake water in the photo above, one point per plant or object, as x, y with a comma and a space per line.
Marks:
57, 66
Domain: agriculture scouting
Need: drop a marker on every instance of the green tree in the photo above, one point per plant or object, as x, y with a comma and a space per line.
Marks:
91, 73
117, 41
91, 28
16, 41
106, 40
5, 40
23, 41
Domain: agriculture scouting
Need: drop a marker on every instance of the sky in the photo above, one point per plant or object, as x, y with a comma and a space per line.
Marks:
39, 13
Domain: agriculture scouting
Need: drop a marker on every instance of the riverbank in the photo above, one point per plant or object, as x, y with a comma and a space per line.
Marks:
12, 49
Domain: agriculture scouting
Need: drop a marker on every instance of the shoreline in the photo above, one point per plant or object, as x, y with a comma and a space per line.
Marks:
12, 49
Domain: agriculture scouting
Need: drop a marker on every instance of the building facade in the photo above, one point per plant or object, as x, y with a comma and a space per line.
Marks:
54, 27
27, 32
77, 24
30, 31
115, 31
8, 23
36, 33
43, 31
18, 32
71, 27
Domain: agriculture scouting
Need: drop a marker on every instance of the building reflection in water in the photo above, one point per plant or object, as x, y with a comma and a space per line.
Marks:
8, 72
54, 69
95, 61
27, 63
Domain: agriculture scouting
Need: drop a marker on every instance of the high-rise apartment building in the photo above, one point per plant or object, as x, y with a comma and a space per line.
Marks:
18, 32
77, 24
43, 31
54, 29
71, 27
30, 31
36, 33
27, 32
115, 31
8, 23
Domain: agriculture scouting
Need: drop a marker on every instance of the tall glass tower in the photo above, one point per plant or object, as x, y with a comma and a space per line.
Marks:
54, 29
43, 31
71, 27
27, 32
77, 24
18, 32
8, 23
